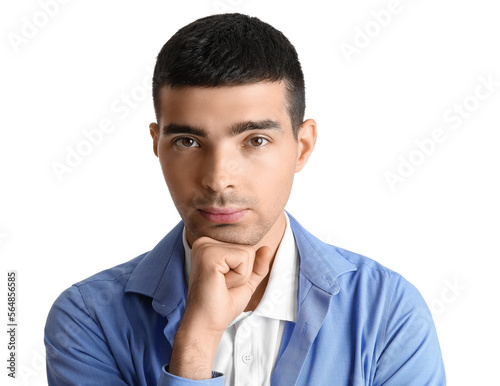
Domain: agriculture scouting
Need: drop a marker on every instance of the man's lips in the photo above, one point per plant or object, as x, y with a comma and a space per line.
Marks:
222, 215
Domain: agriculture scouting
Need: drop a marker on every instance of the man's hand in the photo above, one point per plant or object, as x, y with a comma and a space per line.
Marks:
222, 280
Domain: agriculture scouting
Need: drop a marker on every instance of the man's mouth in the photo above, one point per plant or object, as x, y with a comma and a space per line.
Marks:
225, 215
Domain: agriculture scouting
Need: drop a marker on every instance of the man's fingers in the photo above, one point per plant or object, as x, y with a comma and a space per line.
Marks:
245, 273
235, 279
239, 264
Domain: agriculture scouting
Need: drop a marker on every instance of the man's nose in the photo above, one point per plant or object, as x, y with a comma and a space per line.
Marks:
220, 170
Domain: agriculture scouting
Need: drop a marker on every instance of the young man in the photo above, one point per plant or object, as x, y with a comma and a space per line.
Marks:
238, 292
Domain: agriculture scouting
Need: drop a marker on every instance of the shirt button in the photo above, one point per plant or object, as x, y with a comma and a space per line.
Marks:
247, 358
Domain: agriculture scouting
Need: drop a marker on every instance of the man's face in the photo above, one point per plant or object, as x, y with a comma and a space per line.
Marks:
228, 156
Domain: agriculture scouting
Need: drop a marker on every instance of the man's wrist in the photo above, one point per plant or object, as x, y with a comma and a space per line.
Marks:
194, 351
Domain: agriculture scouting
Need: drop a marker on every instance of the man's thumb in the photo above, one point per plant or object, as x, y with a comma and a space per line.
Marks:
262, 262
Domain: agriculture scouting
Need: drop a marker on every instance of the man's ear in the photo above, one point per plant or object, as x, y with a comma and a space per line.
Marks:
154, 130
306, 137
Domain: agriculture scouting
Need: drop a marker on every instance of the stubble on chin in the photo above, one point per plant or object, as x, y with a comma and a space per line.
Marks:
228, 233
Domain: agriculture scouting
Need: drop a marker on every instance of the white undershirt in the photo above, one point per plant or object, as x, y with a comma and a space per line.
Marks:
249, 347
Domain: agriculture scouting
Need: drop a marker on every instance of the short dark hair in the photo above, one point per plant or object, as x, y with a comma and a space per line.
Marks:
230, 50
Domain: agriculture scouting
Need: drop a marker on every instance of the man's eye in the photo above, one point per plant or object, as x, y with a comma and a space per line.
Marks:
257, 141
186, 142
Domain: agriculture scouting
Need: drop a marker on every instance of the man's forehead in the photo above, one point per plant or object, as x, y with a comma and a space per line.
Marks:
239, 108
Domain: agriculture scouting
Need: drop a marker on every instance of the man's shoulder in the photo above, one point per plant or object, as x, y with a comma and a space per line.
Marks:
111, 292
372, 280
357, 274
113, 274
362, 262
101, 293
338, 259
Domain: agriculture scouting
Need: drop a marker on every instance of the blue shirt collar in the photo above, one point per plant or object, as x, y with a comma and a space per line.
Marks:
319, 262
160, 273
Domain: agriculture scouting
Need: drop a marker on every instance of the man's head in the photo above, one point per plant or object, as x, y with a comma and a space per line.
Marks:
225, 133
231, 50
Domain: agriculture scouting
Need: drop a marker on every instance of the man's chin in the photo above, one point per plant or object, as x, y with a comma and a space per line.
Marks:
227, 233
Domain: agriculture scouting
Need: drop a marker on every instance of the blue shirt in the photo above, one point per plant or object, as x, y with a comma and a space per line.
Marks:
358, 323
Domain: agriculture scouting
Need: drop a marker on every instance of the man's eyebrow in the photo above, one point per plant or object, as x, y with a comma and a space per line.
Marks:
237, 128
266, 124
174, 128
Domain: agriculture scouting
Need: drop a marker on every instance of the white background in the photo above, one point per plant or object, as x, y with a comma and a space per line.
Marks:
439, 228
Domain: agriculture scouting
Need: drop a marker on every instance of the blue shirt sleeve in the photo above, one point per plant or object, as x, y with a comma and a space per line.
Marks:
410, 353
78, 353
